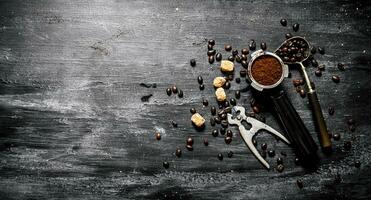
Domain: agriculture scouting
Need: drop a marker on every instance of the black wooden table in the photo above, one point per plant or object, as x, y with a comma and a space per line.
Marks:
72, 123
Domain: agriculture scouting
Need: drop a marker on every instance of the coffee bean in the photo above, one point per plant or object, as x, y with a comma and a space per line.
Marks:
347, 145
158, 136
218, 57
231, 58
211, 52
238, 59
180, 94
335, 78
256, 109
271, 153
229, 133
238, 80
226, 104
224, 123
230, 154
243, 73
200, 80
211, 59
279, 160
301, 81
205, 102
206, 142
341, 66
223, 116
237, 94
297, 161
322, 67
168, 91
165, 165
210, 47
313, 50
228, 47
357, 164
288, 35
190, 141
174, 124
244, 64
211, 42
318, 73
228, 109
193, 110
220, 156
314, 63
235, 52
351, 122
213, 110
252, 45
295, 27
202, 87
192, 62
243, 57
296, 82
227, 140
178, 153
321, 50
212, 121
217, 120
298, 89
174, 89
263, 46
336, 136
283, 22
280, 168
227, 85
245, 51
300, 183
331, 110
189, 147
215, 133
302, 93
264, 146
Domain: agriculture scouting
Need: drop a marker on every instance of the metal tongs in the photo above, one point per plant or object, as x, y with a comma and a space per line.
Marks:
247, 135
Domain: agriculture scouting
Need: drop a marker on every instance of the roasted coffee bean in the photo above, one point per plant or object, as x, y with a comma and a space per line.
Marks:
217, 120
190, 141
314, 63
189, 147
218, 57
221, 112
256, 109
296, 82
245, 51
211, 42
300, 183
226, 104
264, 146
279, 160
174, 89
174, 124
165, 165
341, 66
336, 136
229, 133
357, 164
243, 72
321, 50
231, 58
322, 67
302, 93
211, 59
210, 47
243, 57
215, 133
180, 94
351, 122
238, 80
193, 110
318, 73
252, 45
313, 50
230, 154
280, 168
205, 102
222, 131
263, 46
178, 152
237, 94
227, 85
200, 80
244, 64
295, 27
224, 123
271, 153
192, 62
213, 110
206, 142
212, 121
331, 110
223, 116
227, 140
158, 136
235, 52
228, 109
335, 78
298, 89
347, 145
220, 156
228, 47
232, 101
211, 52
238, 59
168, 91
202, 87
283, 22
301, 81
288, 35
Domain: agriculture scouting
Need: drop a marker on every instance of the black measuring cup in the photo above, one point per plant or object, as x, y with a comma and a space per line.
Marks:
294, 127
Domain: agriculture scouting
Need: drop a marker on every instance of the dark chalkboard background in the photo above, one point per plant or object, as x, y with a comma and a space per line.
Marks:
72, 124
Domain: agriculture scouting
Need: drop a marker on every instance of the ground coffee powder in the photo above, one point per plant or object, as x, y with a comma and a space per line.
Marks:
266, 70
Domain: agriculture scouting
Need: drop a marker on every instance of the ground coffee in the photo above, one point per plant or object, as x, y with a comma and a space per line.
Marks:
266, 70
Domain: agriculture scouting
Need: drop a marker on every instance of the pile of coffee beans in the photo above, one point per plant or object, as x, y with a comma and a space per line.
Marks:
292, 51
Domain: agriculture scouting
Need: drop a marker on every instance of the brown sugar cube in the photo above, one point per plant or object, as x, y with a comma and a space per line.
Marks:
226, 66
220, 94
219, 81
198, 120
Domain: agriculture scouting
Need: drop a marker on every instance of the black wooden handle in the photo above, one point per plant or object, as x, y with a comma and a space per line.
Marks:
295, 129
319, 122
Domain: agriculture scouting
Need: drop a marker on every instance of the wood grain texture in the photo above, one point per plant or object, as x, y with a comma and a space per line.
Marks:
72, 125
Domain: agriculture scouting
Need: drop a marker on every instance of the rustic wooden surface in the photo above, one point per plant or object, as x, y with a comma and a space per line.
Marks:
72, 124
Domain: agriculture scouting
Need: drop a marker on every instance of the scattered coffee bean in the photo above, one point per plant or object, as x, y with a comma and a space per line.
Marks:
229, 133
158, 136
245, 51
298, 89
295, 27
300, 183
279, 160
230, 154
223, 116
205, 102
211, 52
301, 81
283, 22
238, 80
288, 35
235, 52
174, 124
224, 123
341, 66
336, 136
217, 120
212, 121
202, 87
213, 110
226, 104
215, 133
190, 141
228, 47
174, 89
331, 110
318, 73
211, 59
264, 146
165, 165
206, 142
180, 94
263, 46
220, 156
228, 109
347, 145
357, 164
271, 153
243, 73
237, 94
314, 62
238, 59
313, 50
168, 91
256, 109
200, 80
178, 153
280, 168
193, 110
227, 140
336, 79
222, 131
192, 62
233, 101
321, 50
189, 147
302, 93
243, 57
210, 47
244, 64
296, 82
297, 161
322, 67
227, 85
211, 42
218, 57
146, 98
231, 58
351, 122
252, 45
